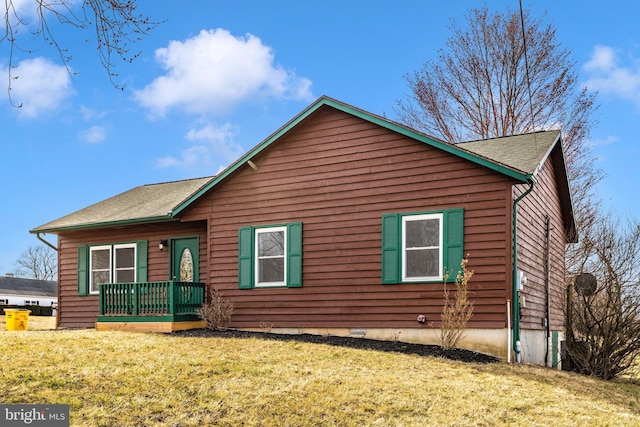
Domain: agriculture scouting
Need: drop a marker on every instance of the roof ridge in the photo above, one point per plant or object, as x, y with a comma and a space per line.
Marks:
176, 181
507, 136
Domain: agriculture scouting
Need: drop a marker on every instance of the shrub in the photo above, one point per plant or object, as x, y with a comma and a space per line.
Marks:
456, 311
266, 327
217, 310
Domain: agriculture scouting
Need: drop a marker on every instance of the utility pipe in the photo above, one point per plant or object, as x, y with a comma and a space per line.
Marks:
509, 332
55, 248
517, 345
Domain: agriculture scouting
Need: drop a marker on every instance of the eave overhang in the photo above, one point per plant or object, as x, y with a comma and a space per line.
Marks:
120, 223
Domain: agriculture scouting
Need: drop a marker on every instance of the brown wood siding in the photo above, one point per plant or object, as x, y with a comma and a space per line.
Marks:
533, 210
338, 175
81, 311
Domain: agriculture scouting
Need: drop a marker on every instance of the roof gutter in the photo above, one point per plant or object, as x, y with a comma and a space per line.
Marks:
51, 245
117, 223
517, 345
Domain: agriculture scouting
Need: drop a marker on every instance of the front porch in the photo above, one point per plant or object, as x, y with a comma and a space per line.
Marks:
150, 306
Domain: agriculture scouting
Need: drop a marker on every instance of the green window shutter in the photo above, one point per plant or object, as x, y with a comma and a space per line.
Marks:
391, 248
83, 270
141, 260
294, 255
245, 257
453, 244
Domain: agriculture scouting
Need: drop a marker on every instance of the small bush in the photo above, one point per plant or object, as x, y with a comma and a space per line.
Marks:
217, 310
266, 327
457, 311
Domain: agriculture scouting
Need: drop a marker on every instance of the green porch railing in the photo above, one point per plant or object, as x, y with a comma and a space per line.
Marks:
150, 301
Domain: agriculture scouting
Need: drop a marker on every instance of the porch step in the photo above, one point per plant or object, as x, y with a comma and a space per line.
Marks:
163, 327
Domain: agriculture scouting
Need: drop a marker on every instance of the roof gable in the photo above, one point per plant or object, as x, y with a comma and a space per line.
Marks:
325, 101
528, 153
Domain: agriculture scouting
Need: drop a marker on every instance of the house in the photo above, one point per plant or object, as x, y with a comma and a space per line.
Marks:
341, 222
17, 291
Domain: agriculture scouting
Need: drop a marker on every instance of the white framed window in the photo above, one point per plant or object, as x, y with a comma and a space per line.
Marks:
31, 302
111, 264
422, 248
4, 301
100, 267
124, 267
270, 259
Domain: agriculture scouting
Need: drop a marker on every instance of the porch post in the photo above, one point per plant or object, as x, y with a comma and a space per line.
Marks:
136, 299
172, 290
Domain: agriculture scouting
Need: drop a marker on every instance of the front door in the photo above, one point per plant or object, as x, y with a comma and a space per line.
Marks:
184, 264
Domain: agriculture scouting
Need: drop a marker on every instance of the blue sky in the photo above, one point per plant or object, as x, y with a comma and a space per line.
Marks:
217, 78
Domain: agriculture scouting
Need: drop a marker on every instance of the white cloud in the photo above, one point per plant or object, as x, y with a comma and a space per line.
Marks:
607, 76
40, 86
90, 114
93, 135
602, 59
601, 143
213, 149
608, 140
213, 71
192, 156
22, 12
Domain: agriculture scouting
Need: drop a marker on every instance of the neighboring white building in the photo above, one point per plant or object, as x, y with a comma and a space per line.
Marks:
20, 292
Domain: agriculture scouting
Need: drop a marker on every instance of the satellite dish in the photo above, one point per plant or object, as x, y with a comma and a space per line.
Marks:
585, 284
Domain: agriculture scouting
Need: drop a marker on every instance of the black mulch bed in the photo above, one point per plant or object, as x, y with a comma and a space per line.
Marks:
359, 343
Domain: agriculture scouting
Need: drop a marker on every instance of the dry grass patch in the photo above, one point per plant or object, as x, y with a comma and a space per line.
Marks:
128, 379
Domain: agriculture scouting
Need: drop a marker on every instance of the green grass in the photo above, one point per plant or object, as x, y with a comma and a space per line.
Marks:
132, 379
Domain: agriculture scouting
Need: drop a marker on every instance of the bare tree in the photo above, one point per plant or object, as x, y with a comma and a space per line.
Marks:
603, 303
498, 77
115, 24
38, 262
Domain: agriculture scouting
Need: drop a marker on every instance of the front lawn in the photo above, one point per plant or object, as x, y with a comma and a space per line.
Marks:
134, 379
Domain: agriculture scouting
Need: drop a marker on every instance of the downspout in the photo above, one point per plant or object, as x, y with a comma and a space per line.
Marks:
547, 280
55, 248
517, 345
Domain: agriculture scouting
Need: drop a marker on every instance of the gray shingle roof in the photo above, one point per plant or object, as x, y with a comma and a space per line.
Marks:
527, 153
524, 153
152, 202
28, 287
517, 156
